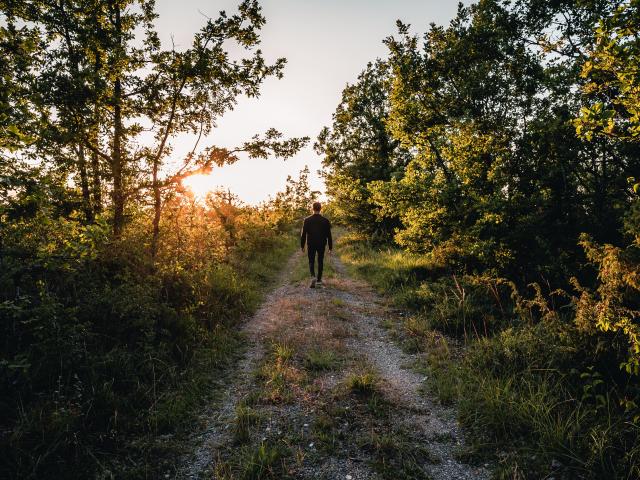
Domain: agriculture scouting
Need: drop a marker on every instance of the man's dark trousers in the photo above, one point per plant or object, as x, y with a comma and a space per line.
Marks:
312, 250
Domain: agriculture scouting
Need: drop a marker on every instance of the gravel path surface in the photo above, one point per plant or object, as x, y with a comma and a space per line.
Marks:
417, 410
219, 417
349, 314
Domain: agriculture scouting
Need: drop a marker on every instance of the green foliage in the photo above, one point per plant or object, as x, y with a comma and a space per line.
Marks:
365, 384
535, 392
520, 122
613, 110
358, 149
265, 462
395, 455
541, 401
83, 80
104, 348
488, 172
246, 419
612, 81
612, 309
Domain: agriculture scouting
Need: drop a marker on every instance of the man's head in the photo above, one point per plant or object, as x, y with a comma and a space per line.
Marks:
316, 207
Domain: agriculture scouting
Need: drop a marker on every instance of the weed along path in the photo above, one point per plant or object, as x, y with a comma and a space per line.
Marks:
323, 393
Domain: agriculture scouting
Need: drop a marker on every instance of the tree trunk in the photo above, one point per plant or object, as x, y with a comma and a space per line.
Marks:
117, 160
96, 181
157, 193
157, 210
116, 164
84, 184
74, 65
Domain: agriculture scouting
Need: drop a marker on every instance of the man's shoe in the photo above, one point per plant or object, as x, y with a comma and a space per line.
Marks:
313, 283
319, 283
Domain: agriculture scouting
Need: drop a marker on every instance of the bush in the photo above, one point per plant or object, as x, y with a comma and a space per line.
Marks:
538, 392
530, 394
104, 348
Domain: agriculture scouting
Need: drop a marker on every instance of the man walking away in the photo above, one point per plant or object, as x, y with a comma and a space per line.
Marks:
316, 232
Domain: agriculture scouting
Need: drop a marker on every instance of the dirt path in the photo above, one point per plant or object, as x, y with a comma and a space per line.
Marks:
323, 393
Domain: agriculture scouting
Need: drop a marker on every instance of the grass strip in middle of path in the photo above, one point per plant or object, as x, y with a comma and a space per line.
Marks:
316, 407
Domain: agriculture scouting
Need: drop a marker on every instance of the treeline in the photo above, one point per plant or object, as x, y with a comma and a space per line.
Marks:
120, 293
501, 155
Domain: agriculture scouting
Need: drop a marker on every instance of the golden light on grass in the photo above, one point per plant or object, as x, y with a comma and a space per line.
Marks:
200, 184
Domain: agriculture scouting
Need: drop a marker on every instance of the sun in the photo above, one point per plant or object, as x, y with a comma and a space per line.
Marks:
200, 184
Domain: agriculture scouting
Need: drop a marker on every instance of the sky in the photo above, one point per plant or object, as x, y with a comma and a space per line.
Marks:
327, 43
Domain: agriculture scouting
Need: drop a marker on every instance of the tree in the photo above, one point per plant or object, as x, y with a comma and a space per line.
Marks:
491, 170
358, 149
106, 80
462, 102
19, 50
612, 84
292, 203
612, 93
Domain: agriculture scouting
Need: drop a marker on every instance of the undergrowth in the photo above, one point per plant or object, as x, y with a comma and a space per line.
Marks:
536, 395
106, 357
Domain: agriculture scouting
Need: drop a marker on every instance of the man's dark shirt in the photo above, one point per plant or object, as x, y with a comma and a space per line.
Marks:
316, 232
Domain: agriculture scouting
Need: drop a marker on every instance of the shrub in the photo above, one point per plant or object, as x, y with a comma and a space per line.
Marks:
103, 349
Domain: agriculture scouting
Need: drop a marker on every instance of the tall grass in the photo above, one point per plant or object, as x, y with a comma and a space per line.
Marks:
107, 355
535, 394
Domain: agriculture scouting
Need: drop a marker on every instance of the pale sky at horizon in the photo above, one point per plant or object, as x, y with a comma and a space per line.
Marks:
327, 43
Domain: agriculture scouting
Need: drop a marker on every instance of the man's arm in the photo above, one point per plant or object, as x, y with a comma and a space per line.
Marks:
329, 235
303, 235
